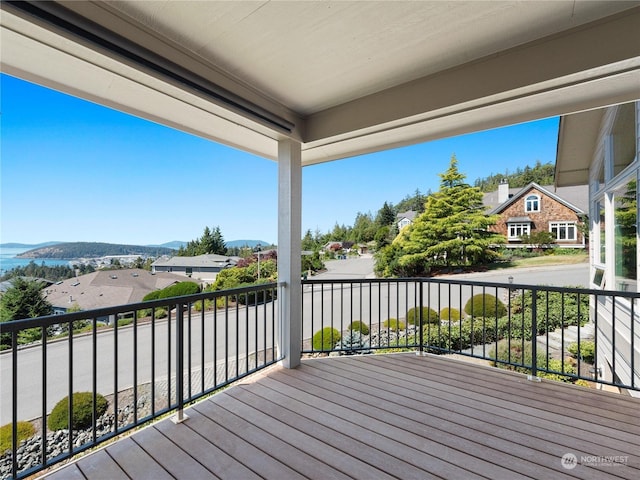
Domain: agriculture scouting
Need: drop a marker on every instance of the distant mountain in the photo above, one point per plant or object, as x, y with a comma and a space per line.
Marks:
93, 250
26, 245
246, 243
176, 244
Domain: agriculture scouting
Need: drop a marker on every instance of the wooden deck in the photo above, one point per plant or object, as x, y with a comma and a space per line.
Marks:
374, 417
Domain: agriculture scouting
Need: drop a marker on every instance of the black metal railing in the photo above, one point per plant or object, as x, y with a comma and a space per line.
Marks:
147, 359
569, 334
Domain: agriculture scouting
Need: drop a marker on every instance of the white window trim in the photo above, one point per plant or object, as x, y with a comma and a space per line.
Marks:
565, 224
526, 203
526, 229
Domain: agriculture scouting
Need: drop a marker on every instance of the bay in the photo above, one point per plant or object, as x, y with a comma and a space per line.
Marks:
9, 261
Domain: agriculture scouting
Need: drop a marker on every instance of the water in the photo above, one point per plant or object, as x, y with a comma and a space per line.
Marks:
9, 261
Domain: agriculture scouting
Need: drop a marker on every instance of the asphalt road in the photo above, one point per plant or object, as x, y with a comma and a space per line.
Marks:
323, 305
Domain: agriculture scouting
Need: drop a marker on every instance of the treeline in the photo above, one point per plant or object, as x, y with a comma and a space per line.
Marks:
541, 173
93, 250
380, 228
53, 273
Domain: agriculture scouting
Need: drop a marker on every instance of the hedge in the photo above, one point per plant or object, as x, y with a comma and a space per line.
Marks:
326, 339
82, 411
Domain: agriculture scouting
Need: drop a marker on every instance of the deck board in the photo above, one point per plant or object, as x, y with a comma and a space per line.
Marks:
100, 465
397, 416
493, 424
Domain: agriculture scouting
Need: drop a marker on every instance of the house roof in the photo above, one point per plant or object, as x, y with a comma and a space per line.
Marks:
105, 288
8, 283
409, 215
579, 194
210, 260
343, 78
519, 220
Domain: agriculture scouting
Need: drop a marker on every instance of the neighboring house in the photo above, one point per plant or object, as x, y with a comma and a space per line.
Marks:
405, 218
599, 148
534, 208
201, 267
332, 246
4, 286
106, 288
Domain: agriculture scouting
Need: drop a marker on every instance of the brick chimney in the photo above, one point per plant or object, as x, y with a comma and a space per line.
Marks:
503, 191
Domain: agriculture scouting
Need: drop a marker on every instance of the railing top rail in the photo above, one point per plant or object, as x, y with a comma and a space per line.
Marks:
48, 320
474, 283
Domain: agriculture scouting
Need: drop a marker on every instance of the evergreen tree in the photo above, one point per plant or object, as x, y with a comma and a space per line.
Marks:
364, 228
210, 242
218, 245
308, 242
451, 231
386, 215
206, 242
23, 299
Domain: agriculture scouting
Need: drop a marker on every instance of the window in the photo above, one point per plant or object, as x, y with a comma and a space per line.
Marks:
600, 232
625, 211
532, 203
563, 230
623, 137
516, 230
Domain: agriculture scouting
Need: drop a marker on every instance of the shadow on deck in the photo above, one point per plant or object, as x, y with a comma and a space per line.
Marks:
384, 416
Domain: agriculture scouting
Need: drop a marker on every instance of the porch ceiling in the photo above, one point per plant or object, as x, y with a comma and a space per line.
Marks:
344, 78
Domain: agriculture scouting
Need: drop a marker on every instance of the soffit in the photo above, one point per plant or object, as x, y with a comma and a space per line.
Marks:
310, 56
350, 77
577, 139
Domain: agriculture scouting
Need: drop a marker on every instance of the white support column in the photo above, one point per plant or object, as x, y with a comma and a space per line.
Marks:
289, 250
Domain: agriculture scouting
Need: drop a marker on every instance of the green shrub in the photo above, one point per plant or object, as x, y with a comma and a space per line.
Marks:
394, 324
179, 289
587, 350
554, 309
25, 430
258, 296
429, 315
123, 322
82, 411
524, 356
326, 339
358, 326
449, 314
352, 343
459, 336
485, 305
208, 305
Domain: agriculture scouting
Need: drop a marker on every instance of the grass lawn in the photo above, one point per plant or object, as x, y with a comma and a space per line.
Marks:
545, 260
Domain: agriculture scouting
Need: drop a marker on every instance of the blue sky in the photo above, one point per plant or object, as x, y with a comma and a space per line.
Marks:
71, 170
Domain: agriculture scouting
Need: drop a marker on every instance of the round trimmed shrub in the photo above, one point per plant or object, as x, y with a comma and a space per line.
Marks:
394, 324
485, 305
25, 430
449, 314
82, 411
326, 339
429, 315
358, 326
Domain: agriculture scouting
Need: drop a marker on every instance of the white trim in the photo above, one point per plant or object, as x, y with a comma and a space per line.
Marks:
524, 226
289, 251
564, 224
537, 204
